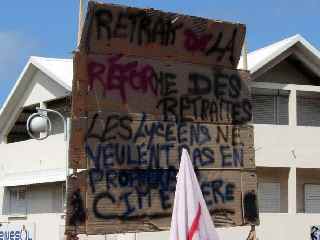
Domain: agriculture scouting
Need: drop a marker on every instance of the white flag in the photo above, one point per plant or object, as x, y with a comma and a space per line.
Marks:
191, 219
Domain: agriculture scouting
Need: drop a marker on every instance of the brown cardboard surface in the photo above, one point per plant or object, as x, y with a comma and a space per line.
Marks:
154, 34
144, 204
146, 84
184, 91
121, 141
76, 184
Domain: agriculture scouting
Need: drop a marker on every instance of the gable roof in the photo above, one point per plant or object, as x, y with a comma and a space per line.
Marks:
260, 57
59, 70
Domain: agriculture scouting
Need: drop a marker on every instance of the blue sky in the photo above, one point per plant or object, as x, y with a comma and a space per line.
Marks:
48, 28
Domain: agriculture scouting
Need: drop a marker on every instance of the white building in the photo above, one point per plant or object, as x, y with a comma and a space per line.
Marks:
286, 102
32, 174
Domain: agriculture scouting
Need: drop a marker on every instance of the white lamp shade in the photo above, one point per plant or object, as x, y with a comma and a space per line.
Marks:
38, 124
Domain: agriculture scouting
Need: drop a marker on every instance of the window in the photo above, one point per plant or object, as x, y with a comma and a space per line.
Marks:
269, 197
308, 110
19, 132
18, 200
18, 194
270, 106
312, 198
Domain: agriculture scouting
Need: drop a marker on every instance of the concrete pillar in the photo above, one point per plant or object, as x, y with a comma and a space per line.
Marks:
292, 108
292, 190
292, 179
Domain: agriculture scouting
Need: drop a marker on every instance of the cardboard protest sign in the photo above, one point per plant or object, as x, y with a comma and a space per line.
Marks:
147, 84
142, 200
154, 34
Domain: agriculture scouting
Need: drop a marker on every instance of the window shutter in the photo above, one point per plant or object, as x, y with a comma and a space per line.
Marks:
269, 197
312, 198
308, 111
283, 111
18, 202
263, 109
270, 109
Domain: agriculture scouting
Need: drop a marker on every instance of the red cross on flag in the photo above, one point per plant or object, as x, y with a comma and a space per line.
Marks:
191, 219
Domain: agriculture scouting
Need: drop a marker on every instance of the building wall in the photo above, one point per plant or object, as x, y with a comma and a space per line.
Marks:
48, 226
33, 155
286, 146
284, 72
44, 204
282, 155
44, 209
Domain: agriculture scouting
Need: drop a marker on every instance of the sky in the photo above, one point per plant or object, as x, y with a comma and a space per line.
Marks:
48, 28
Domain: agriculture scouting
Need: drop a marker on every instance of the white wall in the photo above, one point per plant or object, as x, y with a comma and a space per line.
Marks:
281, 226
274, 226
285, 146
42, 89
33, 155
47, 225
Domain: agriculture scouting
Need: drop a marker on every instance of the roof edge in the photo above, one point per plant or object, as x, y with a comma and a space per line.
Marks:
12, 99
34, 61
279, 48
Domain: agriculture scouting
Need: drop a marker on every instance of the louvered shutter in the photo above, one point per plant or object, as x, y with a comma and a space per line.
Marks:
269, 197
283, 111
263, 109
312, 198
308, 111
18, 201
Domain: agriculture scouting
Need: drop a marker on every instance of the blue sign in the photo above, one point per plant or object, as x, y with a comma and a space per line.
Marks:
16, 232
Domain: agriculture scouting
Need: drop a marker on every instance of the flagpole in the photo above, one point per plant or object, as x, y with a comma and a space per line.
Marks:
245, 55
80, 20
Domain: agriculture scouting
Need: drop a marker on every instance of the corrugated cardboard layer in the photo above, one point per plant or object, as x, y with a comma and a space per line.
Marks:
121, 141
184, 91
141, 203
154, 34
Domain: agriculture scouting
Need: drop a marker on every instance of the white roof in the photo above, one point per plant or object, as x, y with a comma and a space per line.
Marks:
33, 177
259, 58
60, 70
